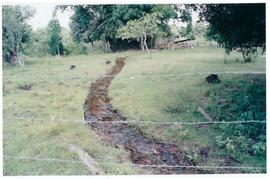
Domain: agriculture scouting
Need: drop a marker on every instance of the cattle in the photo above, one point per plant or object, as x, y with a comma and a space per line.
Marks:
72, 67
213, 78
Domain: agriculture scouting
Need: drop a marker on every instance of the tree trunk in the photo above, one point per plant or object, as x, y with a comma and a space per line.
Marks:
142, 45
108, 46
152, 43
58, 51
104, 46
246, 59
145, 44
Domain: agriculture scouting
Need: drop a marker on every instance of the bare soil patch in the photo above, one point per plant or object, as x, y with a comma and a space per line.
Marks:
143, 149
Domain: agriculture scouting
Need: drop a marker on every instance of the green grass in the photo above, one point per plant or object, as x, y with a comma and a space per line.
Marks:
59, 94
177, 99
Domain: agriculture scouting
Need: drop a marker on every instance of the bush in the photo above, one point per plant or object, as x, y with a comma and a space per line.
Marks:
245, 101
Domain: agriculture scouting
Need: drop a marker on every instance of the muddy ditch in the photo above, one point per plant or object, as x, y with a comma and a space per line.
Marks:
143, 150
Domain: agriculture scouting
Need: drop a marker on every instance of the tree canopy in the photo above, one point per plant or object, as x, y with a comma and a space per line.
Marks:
236, 25
122, 27
55, 41
140, 29
91, 22
15, 30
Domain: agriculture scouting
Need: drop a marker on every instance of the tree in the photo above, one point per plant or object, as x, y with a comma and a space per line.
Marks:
141, 29
100, 22
15, 30
55, 40
200, 29
236, 26
71, 46
38, 45
188, 31
186, 11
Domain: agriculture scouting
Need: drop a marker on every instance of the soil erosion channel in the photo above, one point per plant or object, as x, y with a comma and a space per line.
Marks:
143, 150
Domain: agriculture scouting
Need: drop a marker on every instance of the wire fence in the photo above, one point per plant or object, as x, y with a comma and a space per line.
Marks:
260, 168
136, 121
133, 76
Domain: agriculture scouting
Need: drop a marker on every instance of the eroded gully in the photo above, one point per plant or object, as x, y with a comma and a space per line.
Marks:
143, 150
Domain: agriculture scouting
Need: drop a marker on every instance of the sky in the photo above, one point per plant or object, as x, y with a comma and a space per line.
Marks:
44, 14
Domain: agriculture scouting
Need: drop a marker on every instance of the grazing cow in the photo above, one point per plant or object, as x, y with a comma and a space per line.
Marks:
72, 67
26, 87
213, 78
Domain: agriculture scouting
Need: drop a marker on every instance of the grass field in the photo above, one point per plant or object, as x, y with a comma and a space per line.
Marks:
165, 98
58, 94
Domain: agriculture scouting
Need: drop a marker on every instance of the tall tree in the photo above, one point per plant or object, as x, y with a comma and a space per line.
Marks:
101, 22
188, 31
15, 30
71, 46
236, 26
141, 29
186, 11
55, 40
38, 45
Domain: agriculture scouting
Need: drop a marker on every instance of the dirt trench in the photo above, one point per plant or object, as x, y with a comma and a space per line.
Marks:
143, 150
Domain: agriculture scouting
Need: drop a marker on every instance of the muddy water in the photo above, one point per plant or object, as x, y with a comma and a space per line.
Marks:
143, 150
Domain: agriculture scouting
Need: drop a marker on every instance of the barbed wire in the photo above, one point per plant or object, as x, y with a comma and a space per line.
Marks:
149, 122
42, 159
133, 76
140, 121
140, 165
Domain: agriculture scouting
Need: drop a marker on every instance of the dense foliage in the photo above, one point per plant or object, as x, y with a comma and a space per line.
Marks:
55, 40
41, 39
141, 29
92, 23
188, 32
15, 30
122, 27
72, 47
38, 45
241, 100
236, 26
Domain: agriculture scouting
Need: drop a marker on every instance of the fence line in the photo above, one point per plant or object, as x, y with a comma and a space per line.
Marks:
146, 75
142, 121
139, 165
42, 159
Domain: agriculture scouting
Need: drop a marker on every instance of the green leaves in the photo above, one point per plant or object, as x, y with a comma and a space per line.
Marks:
145, 26
245, 102
15, 30
236, 25
259, 148
102, 22
141, 29
55, 40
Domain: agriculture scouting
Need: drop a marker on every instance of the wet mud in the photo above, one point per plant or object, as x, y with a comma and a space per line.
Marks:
143, 149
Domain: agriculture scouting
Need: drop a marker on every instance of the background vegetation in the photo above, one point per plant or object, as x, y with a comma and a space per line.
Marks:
57, 96
43, 100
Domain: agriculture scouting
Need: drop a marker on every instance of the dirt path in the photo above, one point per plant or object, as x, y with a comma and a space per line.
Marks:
143, 150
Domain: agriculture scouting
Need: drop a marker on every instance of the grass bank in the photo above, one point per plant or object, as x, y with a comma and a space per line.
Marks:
40, 123
144, 91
